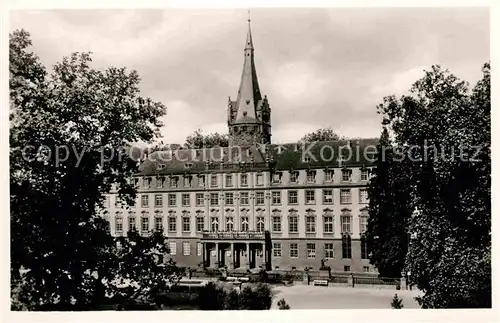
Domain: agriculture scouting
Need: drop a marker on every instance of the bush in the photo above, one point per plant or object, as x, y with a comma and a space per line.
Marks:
282, 305
397, 302
213, 297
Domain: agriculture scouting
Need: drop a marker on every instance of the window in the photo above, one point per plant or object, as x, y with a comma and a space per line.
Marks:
310, 224
172, 224
366, 269
294, 250
328, 224
186, 224
159, 182
345, 223
118, 224
277, 178
346, 246
229, 199
244, 198
345, 196
229, 223
244, 223
363, 195
244, 180
294, 177
201, 180
173, 181
117, 201
311, 250
144, 224
293, 224
329, 175
229, 180
187, 181
200, 224
364, 174
328, 250
328, 196
188, 165
347, 268
158, 223
364, 247
363, 224
293, 197
214, 199
145, 201
276, 249
310, 197
186, 248
214, 224
172, 199
259, 198
311, 176
131, 224
213, 181
158, 200
172, 246
260, 224
276, 223
107, 202
346, 175
147, 182
199, 199
260, 179
276, 198
199, 248
185, 199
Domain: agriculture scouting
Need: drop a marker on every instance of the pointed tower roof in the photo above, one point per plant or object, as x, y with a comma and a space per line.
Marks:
249, 92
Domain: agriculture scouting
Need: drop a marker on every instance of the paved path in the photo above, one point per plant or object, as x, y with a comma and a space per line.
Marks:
300, 296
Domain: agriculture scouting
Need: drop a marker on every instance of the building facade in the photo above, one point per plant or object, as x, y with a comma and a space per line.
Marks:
254, 203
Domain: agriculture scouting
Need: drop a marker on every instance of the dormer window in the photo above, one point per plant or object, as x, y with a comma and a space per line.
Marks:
311, 176
277, 178
160, 167
346, 175
329, 175
173, 181
364, 174
294, 177
188, 165
307, 159
147, 182
187, 181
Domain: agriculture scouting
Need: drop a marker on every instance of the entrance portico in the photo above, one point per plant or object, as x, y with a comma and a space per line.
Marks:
235, 250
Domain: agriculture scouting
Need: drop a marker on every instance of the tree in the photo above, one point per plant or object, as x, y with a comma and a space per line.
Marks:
282, 304
199, 140
69, 135
213, 297
389, 194
397, 303
323, 134
445, 129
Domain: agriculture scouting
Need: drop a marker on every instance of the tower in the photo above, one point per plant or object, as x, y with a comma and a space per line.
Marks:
249, 117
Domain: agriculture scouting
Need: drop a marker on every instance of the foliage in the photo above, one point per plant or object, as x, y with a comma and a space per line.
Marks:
397, 302
199, 140
389, 194
322, 134
213, 297
445, 128
62, 256
282, 304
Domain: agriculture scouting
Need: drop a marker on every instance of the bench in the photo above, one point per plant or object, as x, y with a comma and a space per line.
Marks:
320, 282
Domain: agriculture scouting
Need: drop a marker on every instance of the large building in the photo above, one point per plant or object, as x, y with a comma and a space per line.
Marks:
254, 203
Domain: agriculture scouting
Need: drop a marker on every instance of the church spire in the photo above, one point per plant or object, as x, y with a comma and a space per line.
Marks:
249, 117
249, 92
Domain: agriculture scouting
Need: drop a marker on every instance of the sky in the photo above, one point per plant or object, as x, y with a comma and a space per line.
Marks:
322, 67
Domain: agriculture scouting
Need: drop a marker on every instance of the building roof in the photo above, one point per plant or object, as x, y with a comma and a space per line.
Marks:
292, 156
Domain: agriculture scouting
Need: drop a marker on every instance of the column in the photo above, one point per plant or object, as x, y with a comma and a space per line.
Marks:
231, 263
264, 258
246, 263
203, 254
217, 255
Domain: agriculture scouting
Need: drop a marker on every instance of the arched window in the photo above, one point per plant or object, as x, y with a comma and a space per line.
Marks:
346, 246
260, 224
214, 224
229, 223
364, 247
